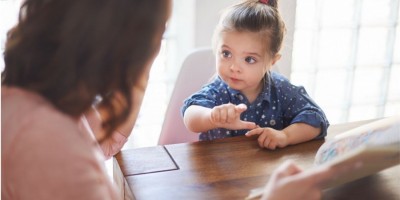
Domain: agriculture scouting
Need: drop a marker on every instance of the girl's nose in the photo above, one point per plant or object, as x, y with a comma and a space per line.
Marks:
234, 67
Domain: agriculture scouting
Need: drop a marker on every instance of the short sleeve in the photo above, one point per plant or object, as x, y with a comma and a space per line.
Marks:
314, 118
206, 97
302, 109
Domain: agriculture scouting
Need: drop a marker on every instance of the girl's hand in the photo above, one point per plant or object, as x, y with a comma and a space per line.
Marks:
228, 116
269, 137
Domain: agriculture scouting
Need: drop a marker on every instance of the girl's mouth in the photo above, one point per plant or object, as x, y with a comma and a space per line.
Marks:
234, 79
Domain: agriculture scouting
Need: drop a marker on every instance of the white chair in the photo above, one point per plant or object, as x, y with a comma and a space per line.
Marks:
197, 69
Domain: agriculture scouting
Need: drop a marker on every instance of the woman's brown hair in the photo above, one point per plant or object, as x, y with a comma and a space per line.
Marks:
72, 51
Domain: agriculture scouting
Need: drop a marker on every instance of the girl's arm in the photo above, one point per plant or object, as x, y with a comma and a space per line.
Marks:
293, 134
198, 119
300, 132
202, 119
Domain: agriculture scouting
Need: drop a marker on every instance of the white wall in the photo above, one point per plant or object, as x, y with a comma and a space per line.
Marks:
206, 18
288, 11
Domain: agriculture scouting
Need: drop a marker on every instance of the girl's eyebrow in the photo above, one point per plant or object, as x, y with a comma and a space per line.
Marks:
253, 53
225, 46
247, 53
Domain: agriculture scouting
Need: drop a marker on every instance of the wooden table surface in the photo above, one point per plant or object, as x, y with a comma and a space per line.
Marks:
229, 168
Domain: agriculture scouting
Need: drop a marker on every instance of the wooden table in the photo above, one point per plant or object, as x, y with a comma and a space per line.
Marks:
229, 168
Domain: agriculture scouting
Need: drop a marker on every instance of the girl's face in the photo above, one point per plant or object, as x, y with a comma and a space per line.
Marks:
242, 61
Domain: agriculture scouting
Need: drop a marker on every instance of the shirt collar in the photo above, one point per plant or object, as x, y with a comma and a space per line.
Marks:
266, 91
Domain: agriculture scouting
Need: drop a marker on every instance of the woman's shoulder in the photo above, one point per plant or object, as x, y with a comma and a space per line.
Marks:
27, 113
46, 143
31, 123
22, 108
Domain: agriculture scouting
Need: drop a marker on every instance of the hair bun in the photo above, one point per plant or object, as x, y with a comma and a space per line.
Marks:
272, 3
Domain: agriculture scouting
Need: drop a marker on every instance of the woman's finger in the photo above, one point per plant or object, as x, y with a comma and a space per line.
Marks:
288, 168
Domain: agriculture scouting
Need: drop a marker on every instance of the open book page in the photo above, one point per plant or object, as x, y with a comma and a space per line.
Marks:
374, 147
370, 159
375, 134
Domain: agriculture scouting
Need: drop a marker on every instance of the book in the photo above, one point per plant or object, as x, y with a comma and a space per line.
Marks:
374, 147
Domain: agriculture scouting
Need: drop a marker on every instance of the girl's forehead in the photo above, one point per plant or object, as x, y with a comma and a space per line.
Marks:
243, 40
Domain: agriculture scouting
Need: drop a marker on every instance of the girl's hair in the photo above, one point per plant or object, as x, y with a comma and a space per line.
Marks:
254, 16
72, 51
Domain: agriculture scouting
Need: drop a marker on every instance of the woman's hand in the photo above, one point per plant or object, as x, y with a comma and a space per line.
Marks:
290, 182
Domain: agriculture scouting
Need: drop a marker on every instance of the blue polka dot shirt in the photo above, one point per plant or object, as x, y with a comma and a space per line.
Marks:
278, 105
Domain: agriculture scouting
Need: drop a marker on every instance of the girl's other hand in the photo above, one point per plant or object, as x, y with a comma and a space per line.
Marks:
269, 138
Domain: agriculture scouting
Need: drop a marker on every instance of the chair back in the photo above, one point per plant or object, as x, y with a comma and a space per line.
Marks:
197, 69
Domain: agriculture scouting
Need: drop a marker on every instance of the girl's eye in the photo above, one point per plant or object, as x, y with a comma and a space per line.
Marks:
226, 54
250, 60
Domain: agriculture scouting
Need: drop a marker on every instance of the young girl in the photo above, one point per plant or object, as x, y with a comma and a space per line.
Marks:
246, 98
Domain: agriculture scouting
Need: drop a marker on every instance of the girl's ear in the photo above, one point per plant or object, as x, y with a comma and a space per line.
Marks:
276, 58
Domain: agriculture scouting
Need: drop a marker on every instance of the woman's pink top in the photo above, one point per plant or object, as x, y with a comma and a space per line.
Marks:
46, 154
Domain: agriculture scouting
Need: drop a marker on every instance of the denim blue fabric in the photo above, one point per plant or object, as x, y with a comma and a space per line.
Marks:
278, 105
